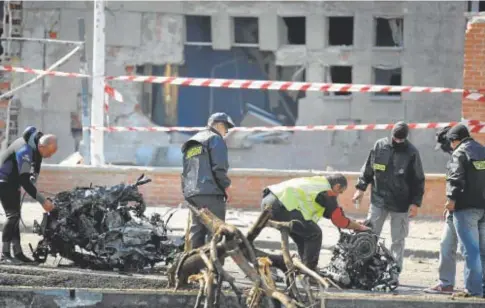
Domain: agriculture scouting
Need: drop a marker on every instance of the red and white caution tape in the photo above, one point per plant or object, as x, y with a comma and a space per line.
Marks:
113, 93
262, 84
474, 126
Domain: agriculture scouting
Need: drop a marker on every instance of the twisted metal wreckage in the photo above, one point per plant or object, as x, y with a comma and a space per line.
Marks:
108, 225
110, 228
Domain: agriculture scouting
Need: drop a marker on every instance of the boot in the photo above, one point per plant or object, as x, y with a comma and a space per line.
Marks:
22, 258
6, 258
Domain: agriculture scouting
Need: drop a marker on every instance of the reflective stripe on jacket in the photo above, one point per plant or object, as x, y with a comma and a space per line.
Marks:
300, 194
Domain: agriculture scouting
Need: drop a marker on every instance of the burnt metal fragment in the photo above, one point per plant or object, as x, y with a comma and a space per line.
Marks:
361, 261
105, 228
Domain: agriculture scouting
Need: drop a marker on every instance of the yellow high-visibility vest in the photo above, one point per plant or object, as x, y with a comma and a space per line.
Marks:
300, 193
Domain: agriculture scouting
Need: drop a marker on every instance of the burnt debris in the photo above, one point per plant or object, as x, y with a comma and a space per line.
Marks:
105, 228
361, 261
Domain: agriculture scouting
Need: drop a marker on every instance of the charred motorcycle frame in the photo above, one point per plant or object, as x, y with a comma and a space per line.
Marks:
105, 228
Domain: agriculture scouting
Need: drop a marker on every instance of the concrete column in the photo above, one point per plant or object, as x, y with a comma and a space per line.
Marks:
315, 72
222, 31
363, 40
97, 104
316, 31
272, 32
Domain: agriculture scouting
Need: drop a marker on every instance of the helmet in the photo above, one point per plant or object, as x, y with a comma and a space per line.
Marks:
221, 117
30, 135
28, 132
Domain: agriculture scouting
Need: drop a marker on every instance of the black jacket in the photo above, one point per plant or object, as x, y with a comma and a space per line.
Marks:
465, 176
396, 175
205, 165
20, 165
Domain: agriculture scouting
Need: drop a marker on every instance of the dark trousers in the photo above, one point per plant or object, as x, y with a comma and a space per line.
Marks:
10, 198
215, 204
307, 235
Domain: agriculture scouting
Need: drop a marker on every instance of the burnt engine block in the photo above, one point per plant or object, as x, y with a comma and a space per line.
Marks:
361, 261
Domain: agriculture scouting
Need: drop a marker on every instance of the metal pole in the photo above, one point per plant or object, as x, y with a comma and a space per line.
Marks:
40, 40
42, 75
86, 120
97, 102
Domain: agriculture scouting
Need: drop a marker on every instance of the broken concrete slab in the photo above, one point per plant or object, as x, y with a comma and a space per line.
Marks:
73, 159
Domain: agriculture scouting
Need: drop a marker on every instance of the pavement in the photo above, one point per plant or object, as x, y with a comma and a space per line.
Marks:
420, 264
421, 254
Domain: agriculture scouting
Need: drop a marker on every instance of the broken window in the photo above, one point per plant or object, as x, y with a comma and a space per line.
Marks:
286, 102
340, 31
146, 90
292, 73
481, 6
246, 30
388, 77
389, 32
198, 29
476, 6
295, 30
338, 74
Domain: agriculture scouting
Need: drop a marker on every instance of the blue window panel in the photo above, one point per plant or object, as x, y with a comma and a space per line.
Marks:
195, 103
198, 28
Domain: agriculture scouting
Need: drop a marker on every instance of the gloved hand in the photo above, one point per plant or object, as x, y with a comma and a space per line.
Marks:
33, 179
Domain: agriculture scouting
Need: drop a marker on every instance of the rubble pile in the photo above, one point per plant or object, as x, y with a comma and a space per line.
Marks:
105, 228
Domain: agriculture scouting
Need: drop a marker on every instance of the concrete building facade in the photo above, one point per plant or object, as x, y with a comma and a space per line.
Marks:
389, 43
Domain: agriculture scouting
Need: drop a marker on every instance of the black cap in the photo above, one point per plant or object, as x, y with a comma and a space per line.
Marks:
400, 130
221, 117
442, 141
458, 132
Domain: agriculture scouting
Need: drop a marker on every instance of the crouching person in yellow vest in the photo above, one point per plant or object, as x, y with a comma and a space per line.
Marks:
306, 200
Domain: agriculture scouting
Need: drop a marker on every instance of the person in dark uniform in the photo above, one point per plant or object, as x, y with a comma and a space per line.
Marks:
205, 180
20, 167
449, 238
394, 169
307, 200
465, 192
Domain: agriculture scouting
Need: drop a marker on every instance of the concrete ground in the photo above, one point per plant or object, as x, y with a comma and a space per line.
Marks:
420, 266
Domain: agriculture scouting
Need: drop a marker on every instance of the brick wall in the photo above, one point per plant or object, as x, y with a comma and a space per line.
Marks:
246, 192
474, 70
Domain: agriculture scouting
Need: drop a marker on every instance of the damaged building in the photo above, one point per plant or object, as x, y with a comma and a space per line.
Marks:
387, 43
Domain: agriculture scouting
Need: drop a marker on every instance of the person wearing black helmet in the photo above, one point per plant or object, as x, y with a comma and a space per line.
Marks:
394, 169
19, 167
465, 192
205, 180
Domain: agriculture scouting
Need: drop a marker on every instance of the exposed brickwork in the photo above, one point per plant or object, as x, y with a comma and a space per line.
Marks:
246, 193
474, 71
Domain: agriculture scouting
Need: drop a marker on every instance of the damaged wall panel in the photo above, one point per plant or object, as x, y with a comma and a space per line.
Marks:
161, 42
37, 24
139, 38
159, 32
